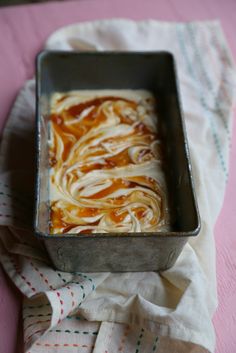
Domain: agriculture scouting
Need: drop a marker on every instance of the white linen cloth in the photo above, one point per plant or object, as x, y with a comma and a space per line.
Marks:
129, 312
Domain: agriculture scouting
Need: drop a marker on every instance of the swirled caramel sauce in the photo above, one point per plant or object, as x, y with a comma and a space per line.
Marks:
106, 170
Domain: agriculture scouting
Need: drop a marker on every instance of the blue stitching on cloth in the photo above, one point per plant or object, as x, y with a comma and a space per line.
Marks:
207, 79
203, 103
155, 344
35, 306
87, 278
79, 318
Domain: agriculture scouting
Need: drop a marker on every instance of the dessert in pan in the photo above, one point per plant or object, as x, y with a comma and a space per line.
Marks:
101, 190
106, 163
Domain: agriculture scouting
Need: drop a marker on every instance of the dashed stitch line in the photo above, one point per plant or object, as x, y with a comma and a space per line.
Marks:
43, 277
11, 216
86, 277
123, 339
61, 331
60, 276
216, 45
72, 293
9, 187
64, 345
29, 284
212, 124
138, 344
75, 317
216, 142
61, 302
72, 296
83, 292
6, 215
18, 209
207, 79
36, 323
224, 56
76, 331
38, 315
34, 333
50, 287
35, 306
15, 198
68, 287
190, 70
155, 344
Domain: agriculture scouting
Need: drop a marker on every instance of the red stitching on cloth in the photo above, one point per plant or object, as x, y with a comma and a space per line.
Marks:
61, 302
123, 339
72, 295
41, 275
110, 335
19, 274
49, 285
64, 345
34, 333
35, 323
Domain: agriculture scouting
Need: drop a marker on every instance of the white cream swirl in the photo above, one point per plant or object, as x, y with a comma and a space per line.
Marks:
106, 172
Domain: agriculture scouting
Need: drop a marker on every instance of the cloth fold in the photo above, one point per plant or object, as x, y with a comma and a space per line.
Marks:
125, 312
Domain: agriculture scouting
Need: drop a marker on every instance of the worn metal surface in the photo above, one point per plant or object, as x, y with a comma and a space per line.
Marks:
155, 71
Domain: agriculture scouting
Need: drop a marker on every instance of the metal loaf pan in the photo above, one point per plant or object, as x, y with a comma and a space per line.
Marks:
155, 71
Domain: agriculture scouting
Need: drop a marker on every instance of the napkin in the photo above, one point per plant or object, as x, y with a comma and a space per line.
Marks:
170, 311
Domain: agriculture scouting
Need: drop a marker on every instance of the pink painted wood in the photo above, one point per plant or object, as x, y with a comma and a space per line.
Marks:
23, 31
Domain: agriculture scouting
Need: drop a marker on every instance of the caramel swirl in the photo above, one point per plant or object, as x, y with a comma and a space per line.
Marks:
106, 163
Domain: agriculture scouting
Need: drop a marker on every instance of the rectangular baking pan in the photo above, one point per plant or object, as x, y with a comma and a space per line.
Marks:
154, 71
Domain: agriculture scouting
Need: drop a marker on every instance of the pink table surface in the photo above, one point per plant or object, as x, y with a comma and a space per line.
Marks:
23, 30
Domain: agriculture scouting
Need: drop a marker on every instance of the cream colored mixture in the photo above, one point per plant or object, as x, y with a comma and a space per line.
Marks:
106, 163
